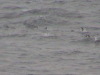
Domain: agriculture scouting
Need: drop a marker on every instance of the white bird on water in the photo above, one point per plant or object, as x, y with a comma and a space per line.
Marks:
84, 32
96, 39
48, 33
83, 29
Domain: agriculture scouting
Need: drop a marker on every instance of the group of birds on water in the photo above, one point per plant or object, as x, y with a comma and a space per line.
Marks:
83, 31
89, 35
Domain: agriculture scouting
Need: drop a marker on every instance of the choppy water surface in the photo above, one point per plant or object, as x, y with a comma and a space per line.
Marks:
27, 47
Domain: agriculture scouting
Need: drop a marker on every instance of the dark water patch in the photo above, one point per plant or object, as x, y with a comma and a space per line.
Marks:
30, 1
57, 53
65, 13
11, 7
56, 11
44, 21
97, 62
70, 15
59, 2
13, 35
44, 71
2, 61
24, 62
83, 1
45, 11
10, 15
96, 68
82, 39
23, 55
32, 74
97, 44
92, 28
96, 12
91, 59
49, 58
65, 53
36, 12
30, 24
69, 74
59, 12
48, 37
54, 74
96, 21
76, 52
6, 26
33, 23
83, 63
63, 74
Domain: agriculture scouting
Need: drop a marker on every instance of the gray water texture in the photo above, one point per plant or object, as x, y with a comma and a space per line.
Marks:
25, 48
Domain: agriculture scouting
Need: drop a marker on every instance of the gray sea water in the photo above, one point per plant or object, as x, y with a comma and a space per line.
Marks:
25, 48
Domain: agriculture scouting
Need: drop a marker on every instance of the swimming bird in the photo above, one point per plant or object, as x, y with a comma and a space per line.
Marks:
96, 39
83, 29
84, 32
47, 33
88, 38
